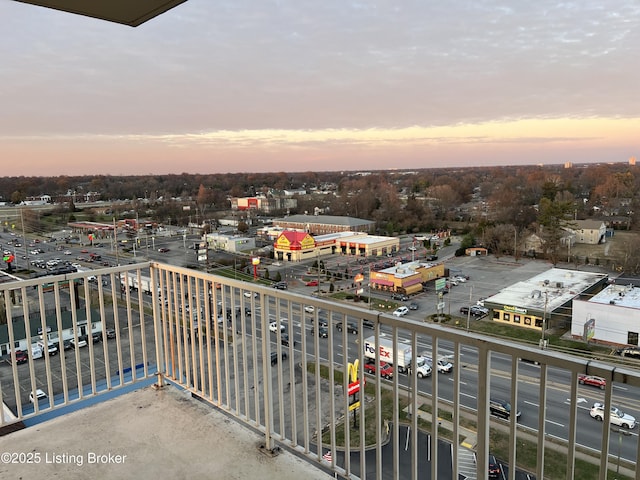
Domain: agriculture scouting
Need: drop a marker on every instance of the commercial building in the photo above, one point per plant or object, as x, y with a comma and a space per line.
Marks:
324, 224
544, 301
610, 317
297, 245
407, 278
229, 243
264, 204
294, 246
23, 337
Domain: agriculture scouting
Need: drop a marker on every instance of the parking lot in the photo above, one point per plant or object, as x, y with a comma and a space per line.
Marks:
72, 367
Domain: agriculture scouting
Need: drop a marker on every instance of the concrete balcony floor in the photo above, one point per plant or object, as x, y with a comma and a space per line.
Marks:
147, 433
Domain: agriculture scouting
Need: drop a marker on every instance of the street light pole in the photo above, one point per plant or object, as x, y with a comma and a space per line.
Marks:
369, 280
469, 310
621, 432
318, 262
544, 320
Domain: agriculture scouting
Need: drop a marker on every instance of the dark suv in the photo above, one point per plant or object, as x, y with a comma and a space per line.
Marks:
501, 408
351, 327
323, 331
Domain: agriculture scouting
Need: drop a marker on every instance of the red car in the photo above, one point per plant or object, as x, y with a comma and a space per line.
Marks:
21, 357
592, 380
386, 370
312, 283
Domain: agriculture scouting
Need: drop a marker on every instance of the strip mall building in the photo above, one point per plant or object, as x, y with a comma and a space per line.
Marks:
296, 246
546, 298
407, 278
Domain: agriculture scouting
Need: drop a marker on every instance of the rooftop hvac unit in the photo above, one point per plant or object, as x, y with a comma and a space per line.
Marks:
536, 294
559, 284
546, 282
612, 302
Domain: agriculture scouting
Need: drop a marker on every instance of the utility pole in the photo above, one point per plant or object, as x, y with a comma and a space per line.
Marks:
115, 239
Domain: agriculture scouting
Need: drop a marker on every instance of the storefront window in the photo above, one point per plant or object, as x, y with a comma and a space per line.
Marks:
516, 319
506, 317
527, 320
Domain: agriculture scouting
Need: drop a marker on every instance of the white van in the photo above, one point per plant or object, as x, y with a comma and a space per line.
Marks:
51, 347
36, 351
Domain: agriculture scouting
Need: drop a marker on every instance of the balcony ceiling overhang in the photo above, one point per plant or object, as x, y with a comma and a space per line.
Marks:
126, 12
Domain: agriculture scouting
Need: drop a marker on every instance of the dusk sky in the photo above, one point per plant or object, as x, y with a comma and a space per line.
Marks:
300, 85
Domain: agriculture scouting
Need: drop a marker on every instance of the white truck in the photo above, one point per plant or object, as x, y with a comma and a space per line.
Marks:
404, 365
131, 281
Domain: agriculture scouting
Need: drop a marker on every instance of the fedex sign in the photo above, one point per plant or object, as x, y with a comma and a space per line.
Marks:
385, 353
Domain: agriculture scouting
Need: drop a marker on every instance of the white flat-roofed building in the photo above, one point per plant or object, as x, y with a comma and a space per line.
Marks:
546, 297
230, 243
610, 317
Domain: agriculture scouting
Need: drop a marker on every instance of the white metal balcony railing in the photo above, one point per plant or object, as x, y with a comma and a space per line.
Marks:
211, 336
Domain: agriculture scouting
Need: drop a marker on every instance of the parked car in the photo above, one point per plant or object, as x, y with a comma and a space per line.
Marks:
617, 416
163, 250
249, 294
312, 283
479, 311
21, 357
431, 258
386, 370
280, 285
309, 308
323, 331
401, 311
494, 467
413, 306
629, 352
82, 342
592, 380
96, 337
460, 279
111, 333
501, 408
474, 310
367, 323
274, 357
351, 327
38, 396
399, 296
